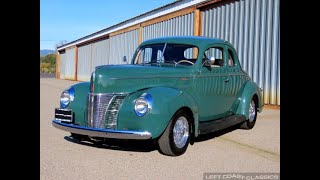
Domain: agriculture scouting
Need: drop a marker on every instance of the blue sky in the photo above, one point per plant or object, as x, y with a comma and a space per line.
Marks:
72, 19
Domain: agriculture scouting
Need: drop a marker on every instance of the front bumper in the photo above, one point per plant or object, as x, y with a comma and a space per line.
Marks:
104, 133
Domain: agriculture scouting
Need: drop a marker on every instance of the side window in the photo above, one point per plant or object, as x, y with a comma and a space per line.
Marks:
146, 55
191, 53
217, 54
159, 56
230, 58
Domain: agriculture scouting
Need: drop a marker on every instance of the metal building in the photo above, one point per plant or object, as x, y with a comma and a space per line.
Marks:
252, 26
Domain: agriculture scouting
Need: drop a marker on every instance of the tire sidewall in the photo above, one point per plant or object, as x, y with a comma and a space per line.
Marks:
175, 149
251, 124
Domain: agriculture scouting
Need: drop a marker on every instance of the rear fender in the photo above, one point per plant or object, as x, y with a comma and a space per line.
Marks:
250, 89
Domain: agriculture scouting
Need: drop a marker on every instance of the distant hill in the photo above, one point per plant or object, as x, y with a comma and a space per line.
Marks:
44, 52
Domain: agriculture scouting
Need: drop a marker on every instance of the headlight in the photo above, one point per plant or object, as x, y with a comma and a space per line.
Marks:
143, 104
66, 97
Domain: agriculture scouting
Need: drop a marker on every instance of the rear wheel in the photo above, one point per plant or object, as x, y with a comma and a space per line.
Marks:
175, 139
251, 121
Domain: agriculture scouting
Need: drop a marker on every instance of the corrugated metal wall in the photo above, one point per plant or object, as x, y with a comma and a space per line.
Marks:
62, 64
69, 71
253, 27
100, 53
84, 58
123, 45
178, 26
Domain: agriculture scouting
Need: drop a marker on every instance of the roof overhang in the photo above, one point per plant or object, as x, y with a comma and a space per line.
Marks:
172, 7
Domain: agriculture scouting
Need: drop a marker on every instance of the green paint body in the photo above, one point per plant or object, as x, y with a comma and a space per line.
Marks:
201, 89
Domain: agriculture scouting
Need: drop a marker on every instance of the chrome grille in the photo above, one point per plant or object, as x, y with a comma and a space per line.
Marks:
112, 112
102, 110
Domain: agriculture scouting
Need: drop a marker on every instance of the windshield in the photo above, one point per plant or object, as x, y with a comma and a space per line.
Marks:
166, 53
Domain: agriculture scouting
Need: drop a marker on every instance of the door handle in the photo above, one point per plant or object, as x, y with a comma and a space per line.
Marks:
226, 80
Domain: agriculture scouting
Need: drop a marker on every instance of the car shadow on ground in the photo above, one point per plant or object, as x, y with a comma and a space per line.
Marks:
115, 144
142, 145
205, 137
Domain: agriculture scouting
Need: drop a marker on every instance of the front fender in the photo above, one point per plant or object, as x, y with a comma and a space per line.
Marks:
78, 105
166, 102
250, 89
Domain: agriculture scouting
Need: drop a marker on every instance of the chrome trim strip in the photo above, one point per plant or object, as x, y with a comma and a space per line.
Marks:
72, 93
220, 74
240, 74
64, 115
105, 133
262, 96
149, 100
151, 77
65, 120
124, 93
62, 109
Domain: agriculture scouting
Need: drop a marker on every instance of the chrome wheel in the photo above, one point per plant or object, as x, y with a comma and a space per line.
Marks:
181, 132
252, 111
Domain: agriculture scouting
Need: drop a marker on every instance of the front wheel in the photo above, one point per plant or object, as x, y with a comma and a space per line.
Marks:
251, 121
175, 139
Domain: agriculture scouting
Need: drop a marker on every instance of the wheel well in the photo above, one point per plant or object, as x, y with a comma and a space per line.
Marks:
189, 112
255, 99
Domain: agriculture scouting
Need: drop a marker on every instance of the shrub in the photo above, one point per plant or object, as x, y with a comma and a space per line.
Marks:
48, 63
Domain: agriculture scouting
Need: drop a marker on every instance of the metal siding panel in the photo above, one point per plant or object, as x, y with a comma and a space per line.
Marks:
70, 64
250, 59
240, 46
257, 33
214, 32
174, 26
178, 26
84, 72
253, 27
218, 22
278, 83
100, 53
275, 51
223, 22
262, 46
231, 11
237, 24
227, 22
124, 45
268, 54
246, 34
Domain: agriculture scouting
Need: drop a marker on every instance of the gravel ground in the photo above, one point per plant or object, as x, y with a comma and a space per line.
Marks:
232, 150
47, 75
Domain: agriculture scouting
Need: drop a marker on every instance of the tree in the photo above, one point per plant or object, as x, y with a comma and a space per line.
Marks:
60, 43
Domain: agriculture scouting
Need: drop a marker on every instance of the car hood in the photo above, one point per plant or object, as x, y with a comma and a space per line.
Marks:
130, 78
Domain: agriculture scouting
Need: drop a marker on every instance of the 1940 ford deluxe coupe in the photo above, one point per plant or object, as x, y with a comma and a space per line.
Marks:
175, 88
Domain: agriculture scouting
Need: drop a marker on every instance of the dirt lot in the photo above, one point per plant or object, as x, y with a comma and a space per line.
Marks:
232, 150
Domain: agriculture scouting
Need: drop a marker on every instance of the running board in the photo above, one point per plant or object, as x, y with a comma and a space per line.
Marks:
216, 125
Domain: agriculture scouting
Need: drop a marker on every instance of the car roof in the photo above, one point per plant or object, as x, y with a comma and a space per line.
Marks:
192, 40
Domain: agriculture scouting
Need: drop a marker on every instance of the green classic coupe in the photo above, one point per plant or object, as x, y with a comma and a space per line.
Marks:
174, 89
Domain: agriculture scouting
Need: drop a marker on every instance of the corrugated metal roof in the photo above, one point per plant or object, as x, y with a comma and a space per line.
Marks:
160, 11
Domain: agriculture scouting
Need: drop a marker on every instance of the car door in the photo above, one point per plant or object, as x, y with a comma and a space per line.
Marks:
213, 86
237, 78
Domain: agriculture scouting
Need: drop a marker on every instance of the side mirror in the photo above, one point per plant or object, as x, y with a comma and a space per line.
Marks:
124, 59
209, 62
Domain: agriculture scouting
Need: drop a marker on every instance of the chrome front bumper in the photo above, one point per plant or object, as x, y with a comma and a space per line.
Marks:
104, 133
